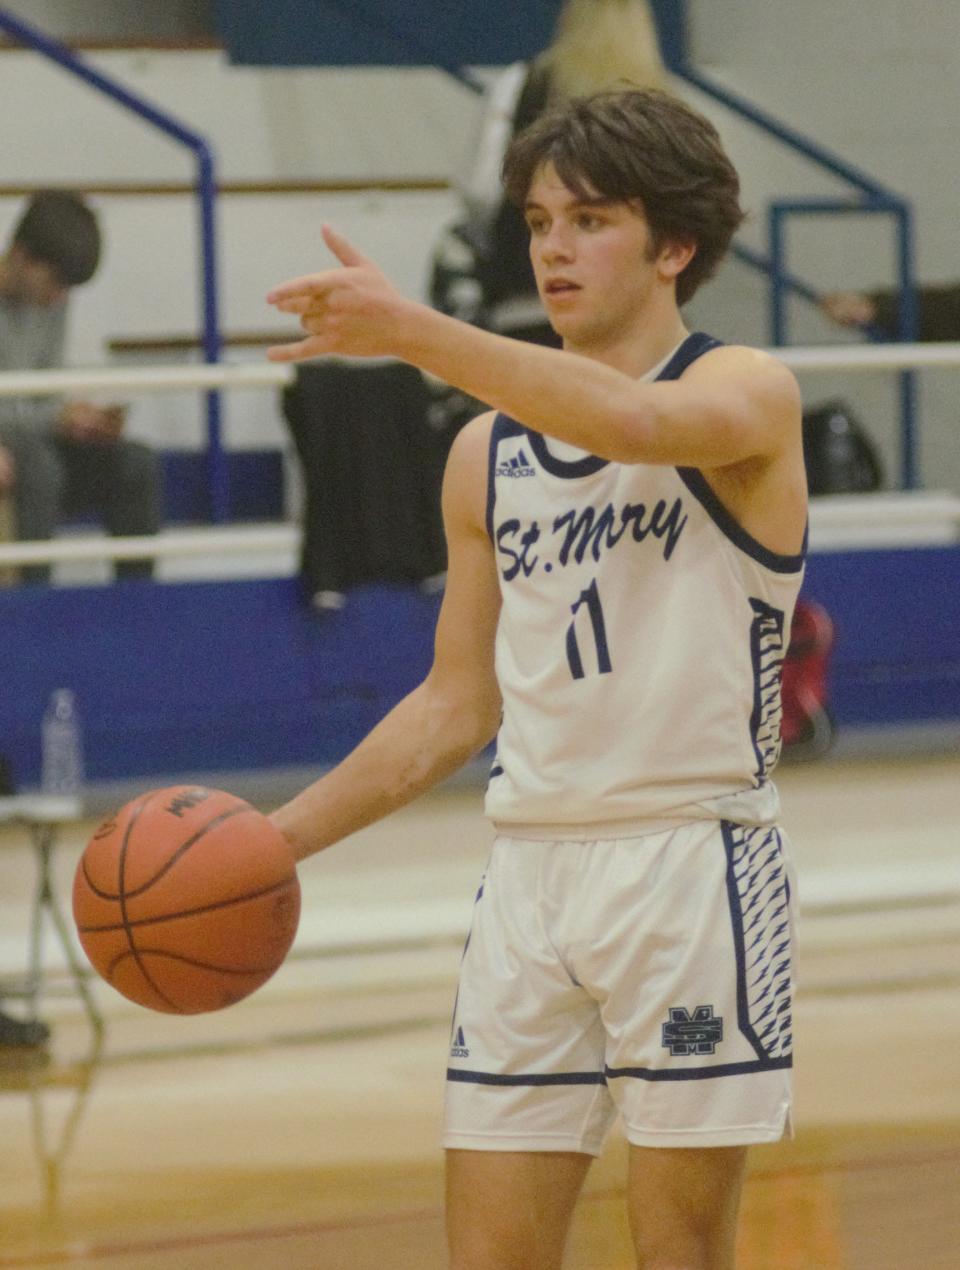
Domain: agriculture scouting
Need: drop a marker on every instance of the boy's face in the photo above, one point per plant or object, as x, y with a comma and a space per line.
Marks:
594, 261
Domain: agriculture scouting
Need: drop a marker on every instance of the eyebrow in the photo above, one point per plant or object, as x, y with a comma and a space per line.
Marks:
598, 200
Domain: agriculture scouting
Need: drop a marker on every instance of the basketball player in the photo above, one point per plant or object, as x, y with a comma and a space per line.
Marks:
626, 532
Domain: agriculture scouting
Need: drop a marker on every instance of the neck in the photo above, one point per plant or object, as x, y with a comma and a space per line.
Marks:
641, 348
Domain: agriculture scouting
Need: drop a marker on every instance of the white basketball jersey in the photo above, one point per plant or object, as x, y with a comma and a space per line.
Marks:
640, 642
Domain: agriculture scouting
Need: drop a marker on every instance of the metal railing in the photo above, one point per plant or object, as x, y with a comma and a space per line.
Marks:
206, 186
869, 197
916, 518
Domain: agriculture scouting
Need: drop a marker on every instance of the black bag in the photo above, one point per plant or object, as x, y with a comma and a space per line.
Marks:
372, 475
839, 455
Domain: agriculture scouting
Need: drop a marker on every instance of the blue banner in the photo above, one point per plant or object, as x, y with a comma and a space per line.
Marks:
384, 32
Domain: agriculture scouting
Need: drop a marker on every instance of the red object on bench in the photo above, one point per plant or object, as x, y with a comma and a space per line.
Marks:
807, 726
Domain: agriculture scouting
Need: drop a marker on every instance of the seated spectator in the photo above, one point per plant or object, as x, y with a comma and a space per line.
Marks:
938, 311
59, 459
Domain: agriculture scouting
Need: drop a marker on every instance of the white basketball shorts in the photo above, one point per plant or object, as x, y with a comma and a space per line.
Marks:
649, 976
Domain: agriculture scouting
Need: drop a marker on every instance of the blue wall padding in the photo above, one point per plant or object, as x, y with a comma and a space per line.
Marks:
897, 619
397, 33
208, 676
384, 32
254, 485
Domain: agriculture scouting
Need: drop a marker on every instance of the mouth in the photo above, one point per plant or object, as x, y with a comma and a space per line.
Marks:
557, 287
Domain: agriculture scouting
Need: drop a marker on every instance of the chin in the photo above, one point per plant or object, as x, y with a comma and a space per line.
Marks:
567, 325
580, 334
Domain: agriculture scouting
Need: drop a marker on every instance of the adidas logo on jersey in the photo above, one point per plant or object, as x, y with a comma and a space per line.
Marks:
459, 1047
519, 465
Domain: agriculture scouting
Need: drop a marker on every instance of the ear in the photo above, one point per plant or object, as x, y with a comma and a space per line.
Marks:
674, 258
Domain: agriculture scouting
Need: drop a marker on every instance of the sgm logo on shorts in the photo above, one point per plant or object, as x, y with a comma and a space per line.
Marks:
459, 1047
517, 466
696, 1033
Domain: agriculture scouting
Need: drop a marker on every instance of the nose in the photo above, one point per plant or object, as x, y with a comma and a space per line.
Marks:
556, 244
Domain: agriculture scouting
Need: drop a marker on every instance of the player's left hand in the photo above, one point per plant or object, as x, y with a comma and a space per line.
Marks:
354, 310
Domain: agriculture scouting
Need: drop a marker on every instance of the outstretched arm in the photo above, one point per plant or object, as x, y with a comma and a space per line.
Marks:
740, 404
451, 715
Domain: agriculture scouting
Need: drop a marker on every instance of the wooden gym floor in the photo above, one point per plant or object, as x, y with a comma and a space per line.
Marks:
301, 1126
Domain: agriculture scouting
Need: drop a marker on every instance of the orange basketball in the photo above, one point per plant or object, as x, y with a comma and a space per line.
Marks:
186, 900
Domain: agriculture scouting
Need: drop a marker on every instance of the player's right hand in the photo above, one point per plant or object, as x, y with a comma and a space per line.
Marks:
353, 310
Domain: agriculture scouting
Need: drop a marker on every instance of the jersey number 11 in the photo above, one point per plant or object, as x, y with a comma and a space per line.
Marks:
591, 598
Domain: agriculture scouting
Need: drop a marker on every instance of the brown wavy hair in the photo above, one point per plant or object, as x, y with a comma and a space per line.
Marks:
642, 146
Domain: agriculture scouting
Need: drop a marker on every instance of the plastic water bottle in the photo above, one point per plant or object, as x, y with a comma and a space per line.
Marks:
62, 771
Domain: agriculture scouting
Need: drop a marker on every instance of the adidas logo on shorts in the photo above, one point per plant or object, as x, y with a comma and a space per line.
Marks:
459, 1047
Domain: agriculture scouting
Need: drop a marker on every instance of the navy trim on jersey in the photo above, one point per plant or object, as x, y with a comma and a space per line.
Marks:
693, 346
698, 485
700, 488
767, 651
571, 471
